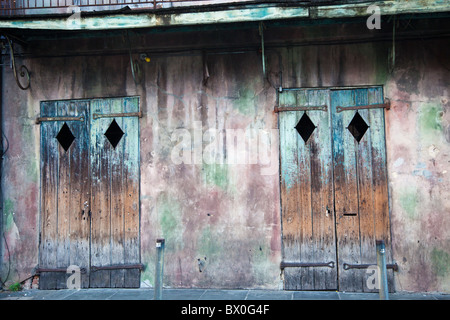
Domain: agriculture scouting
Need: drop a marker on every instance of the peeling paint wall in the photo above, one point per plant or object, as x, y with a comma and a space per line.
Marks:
221, 221
418, 128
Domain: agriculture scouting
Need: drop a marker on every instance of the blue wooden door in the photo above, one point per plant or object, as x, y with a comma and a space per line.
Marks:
309, 245
360, 180
90, 192
114, 162
65, 192
333, 187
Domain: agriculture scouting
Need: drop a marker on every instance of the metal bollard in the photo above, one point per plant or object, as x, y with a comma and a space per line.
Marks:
382, 273
159, 270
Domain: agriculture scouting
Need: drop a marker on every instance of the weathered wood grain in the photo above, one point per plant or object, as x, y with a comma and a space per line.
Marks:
361, 197
306, 194
49, 199
64, 237
333, 189
131, 171
115, 194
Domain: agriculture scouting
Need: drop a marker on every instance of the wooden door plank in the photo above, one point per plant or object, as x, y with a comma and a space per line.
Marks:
79, 200
365, 194
346, 190
323, 227
382, 224
304, 205
100, 193
380, 180
62, 253
117, 181
49, 200
131, 171
290, 193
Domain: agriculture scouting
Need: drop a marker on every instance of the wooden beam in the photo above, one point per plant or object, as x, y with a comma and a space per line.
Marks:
154, 19
250, 13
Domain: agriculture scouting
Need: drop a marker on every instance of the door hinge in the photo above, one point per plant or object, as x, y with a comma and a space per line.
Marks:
139, 266
386, 105
38, 270
306, 264
96, 116
301, 108
42, 119
347, 266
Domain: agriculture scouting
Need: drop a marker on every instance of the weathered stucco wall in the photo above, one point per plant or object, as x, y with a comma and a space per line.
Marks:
221, 221
225, 216
418, 138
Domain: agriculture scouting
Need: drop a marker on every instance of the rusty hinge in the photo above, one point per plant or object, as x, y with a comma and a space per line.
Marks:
386, 105
301, 108
118, 266
42, 119
38, 270
96, 116
347, 266
306, 264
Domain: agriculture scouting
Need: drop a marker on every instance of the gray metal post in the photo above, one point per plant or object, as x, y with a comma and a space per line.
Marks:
382, 273
159, 270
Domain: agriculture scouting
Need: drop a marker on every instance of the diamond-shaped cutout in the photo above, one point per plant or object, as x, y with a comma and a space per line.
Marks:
357, 127
114, 133
65, 137
305, 127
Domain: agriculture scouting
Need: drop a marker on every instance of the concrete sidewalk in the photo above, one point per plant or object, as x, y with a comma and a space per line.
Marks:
207, 294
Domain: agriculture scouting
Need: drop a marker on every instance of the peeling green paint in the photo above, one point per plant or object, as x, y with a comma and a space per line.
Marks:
430, 121
209, 245
246, 101
148, 275
170, 222
216, 174
409, 200
261, 264
8, 211
440, 260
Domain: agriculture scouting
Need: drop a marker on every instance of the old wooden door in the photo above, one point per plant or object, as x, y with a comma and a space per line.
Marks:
65, 192
90, 192
307, 191
333, 187
115, 193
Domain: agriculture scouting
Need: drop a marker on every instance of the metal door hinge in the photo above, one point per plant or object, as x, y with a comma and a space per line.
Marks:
38, 270
301, 108
386, 105
96, 116
306, 264
118, 266
42, 119
347, 266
